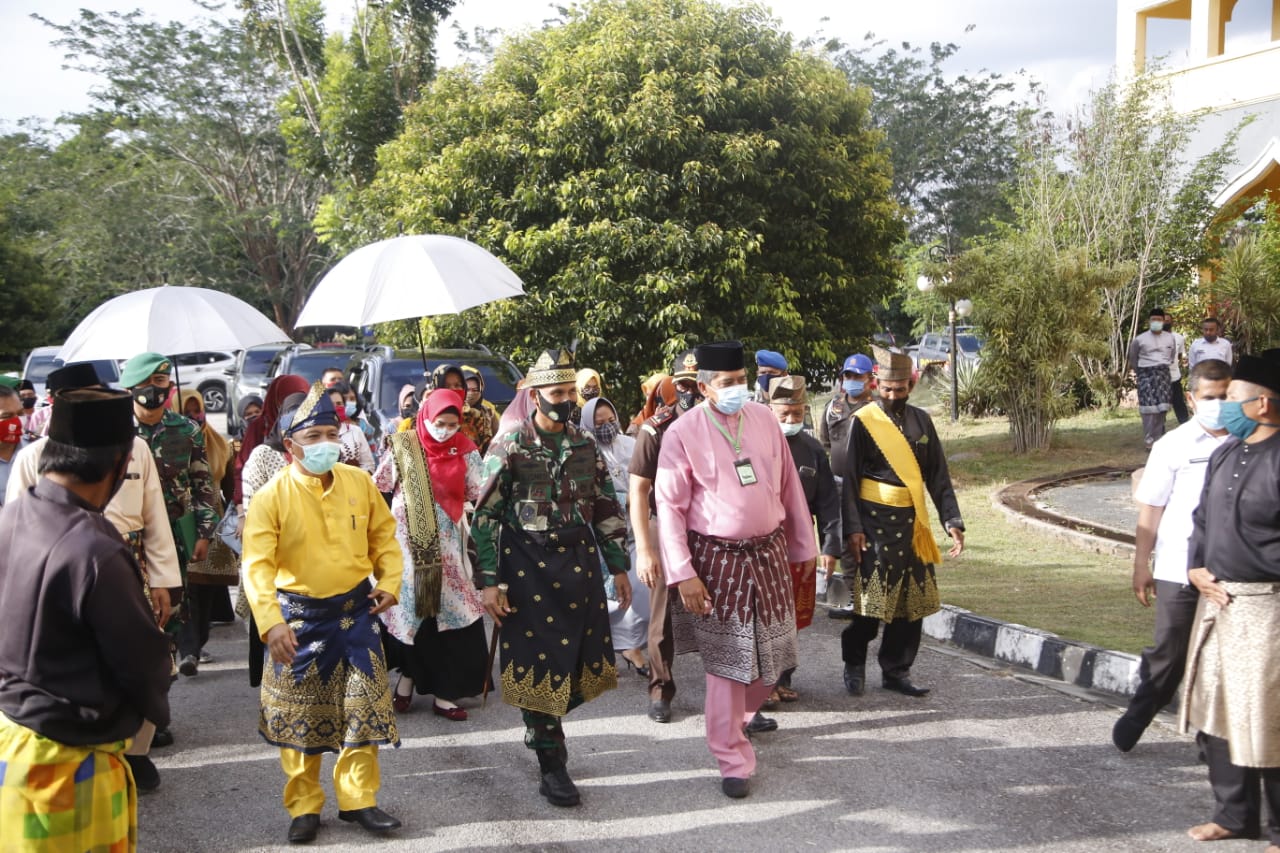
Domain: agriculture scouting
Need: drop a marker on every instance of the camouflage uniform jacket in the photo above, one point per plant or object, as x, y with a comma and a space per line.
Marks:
178, 447
529, 485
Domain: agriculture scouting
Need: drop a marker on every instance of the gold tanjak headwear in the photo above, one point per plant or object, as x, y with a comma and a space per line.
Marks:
553, 367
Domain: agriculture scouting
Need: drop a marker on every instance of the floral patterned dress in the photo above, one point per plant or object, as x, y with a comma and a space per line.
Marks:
460, 603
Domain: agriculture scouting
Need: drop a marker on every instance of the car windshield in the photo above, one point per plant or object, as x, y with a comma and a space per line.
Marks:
969, 343
499, 387
256, 361
106, 369
40, 366
312, 365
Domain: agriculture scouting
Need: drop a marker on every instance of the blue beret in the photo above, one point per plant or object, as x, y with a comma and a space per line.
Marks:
769, 358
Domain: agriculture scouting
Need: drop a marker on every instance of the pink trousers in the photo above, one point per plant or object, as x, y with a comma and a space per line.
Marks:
729, 706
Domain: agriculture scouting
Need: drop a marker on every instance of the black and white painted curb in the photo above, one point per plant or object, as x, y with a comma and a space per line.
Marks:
1047, 654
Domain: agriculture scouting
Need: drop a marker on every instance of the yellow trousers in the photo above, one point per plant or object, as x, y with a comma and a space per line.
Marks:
356, 780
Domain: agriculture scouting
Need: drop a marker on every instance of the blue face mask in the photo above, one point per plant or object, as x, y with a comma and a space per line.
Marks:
351, 409
319, 458
1235, 421
790, 430
853, 387
1209, 414
730, 400
762, 382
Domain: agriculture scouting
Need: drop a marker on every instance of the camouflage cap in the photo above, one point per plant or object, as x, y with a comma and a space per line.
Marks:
787, 391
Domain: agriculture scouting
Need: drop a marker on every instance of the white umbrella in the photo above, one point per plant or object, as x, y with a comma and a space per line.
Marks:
407, 277
170, 321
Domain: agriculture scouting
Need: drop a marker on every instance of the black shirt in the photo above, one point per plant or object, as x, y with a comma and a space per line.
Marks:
864, 459
81, 659
819, 489
1236, 528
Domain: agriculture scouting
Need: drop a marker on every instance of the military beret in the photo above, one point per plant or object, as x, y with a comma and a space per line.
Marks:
142, 367
769, 358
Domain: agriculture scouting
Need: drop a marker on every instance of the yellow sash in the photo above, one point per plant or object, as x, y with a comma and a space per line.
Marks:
893, 444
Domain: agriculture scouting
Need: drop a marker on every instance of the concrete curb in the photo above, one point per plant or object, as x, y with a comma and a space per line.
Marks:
1018, 503
1047, 654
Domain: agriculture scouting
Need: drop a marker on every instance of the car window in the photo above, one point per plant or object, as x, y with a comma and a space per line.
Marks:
499, 384
39, 367
256, 361
312, 365
969, 343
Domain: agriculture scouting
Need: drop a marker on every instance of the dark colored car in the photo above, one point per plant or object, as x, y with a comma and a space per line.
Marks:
378, 375
308, 362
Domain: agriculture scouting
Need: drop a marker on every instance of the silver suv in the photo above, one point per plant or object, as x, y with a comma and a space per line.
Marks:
207, 373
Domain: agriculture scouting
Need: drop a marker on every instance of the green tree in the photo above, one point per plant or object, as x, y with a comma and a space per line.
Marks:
1246, 286
192, 108
953, 139
659, 173
1116, 182
1037, 305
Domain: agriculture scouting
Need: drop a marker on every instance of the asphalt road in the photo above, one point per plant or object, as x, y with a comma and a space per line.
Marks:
987, 762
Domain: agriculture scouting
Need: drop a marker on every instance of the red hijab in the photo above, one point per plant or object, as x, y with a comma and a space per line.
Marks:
265, 424
446, 460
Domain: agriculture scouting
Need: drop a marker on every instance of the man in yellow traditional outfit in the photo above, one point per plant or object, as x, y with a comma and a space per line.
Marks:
313, 536
82, 661
893, 458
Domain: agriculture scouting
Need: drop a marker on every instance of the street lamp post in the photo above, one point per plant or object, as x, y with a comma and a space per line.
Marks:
961, 308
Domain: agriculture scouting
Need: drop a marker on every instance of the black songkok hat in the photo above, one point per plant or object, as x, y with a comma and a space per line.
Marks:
26, 385
720, 356
92, 417
1261, 370
685, 366
79, 374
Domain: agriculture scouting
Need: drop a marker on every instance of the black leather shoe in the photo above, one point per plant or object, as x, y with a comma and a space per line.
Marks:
734, 787
303, 828
162, 738
660, 711
759, 724
1126, 733
373, 819
855, 679
903, 686
558, 788
145, 774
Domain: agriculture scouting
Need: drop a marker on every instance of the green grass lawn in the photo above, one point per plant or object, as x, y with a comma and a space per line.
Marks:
1011, 573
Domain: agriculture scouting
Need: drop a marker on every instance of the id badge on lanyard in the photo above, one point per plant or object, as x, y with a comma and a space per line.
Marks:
746, 474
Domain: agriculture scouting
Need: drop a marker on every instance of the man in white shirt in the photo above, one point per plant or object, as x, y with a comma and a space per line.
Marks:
1167, 494
1150, 356
1210, 345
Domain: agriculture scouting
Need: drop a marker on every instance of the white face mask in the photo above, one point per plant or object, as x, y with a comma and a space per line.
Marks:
441, 434
730, 400
791, 429
1209, 414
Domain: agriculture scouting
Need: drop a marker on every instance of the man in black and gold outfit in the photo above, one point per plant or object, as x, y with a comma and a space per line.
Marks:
548, 503
893, 459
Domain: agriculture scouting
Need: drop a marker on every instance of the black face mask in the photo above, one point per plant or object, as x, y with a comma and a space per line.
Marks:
151, 397
1168, 327
28, 403
895, 407
686, 400
557, 412
408, 411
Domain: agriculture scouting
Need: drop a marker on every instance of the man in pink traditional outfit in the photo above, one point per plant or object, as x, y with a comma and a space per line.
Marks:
732, 516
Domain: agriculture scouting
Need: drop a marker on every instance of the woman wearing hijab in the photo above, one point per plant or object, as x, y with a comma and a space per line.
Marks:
589, 385
355, 447
435, 634
208, 599
657, 391
255, 433
247, 411
480, 419
630, 627
516, 412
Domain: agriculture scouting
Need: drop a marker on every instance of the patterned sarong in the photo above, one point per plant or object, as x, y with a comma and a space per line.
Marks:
806, 593
335, 693
556, 647
1232, 688
751, 630
891, 581
55, 797
1154, 390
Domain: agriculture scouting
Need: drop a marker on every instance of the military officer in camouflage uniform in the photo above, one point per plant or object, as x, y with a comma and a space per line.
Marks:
547, 514
177, 444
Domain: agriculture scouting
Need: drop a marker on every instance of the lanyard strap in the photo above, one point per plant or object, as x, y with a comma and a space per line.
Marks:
736, 443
